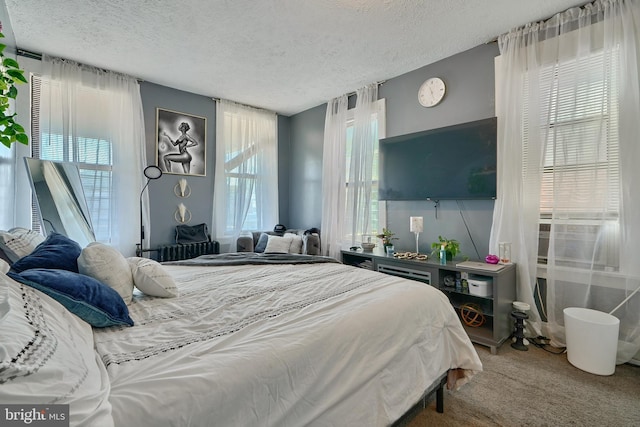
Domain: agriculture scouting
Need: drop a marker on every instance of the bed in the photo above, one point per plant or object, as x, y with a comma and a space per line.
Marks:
251, 340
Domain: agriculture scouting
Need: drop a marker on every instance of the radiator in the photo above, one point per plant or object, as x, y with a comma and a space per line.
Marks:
186, 251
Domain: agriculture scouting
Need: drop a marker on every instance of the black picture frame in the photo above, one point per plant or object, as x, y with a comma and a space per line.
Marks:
181, 143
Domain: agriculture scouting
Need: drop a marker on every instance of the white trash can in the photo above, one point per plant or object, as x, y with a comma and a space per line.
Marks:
592, 339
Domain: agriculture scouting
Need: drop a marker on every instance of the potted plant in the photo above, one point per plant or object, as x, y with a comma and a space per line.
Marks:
387, 237
451, 246
10, 75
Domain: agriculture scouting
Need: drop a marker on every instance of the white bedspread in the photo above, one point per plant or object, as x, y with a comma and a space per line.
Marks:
281, 345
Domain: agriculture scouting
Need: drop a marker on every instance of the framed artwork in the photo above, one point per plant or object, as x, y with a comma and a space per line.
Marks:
181, 143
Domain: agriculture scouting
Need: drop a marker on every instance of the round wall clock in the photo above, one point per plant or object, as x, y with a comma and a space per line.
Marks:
431, 92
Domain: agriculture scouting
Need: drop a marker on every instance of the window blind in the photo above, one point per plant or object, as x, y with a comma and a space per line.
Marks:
578, 125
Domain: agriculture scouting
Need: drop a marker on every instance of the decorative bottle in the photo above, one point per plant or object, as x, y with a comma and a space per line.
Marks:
443, 255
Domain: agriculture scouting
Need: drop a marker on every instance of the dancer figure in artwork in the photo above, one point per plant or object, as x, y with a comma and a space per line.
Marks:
183, 142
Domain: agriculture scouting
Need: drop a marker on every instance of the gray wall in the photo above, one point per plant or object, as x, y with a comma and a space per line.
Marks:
284, 168
469, 77
305, 180
163, 201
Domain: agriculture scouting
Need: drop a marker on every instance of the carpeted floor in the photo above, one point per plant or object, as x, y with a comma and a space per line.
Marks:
537, 388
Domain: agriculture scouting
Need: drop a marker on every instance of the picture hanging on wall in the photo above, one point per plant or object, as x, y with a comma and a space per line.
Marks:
181, 142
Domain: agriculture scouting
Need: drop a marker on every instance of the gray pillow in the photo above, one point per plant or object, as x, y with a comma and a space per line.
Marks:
262, 243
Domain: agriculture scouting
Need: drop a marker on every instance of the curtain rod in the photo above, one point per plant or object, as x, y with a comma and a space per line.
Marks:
379, 83
214, 99
543, 20
38, 57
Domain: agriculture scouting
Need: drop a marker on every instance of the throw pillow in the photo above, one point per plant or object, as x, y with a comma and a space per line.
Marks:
95, 303
47, 356
19, 242
262, 243
151, 278
57, 251
105, 264
278, 245
296, 243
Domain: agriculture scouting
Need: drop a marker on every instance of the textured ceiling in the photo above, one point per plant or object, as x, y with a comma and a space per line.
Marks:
282, 55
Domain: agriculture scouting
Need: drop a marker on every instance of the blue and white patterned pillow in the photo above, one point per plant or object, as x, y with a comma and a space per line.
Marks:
19, 242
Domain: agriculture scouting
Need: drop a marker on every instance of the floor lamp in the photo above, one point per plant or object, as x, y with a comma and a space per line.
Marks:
151, 172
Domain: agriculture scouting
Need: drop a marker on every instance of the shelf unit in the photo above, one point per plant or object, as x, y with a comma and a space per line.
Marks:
496, 309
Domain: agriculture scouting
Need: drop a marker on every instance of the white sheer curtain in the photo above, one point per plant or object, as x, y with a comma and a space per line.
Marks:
364, 144
568, 102
334, 176
245, 195
15, 191
94, 118
348, 176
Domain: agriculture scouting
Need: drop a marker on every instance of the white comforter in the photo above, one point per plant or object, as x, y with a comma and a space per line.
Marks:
281, 345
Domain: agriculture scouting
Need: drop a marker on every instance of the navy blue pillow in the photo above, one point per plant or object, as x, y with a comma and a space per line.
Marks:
92, 301
57, 251
262, 243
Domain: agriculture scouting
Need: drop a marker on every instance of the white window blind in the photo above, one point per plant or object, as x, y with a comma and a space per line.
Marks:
85, 145
579, 122
580, 186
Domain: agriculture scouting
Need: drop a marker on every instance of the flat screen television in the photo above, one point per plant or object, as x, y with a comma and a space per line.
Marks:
454, 162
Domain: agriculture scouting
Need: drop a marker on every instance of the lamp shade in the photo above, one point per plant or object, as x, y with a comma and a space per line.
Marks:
415, 224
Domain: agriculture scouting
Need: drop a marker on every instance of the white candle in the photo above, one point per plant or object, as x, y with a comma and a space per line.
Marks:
415, 224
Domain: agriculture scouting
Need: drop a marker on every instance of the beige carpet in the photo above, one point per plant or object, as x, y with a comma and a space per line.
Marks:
537, 388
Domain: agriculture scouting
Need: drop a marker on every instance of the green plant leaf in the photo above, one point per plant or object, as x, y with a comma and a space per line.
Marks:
10, 62
18, 127
22, 138
2, 47
5, 141
17, 75
13, 92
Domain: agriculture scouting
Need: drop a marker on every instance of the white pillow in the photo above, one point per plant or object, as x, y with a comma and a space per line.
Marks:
278, 245
296, 243
105, 264
151, 278
47, 355
19, 242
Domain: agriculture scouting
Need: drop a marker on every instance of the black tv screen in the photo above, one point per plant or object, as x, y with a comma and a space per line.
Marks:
454, 162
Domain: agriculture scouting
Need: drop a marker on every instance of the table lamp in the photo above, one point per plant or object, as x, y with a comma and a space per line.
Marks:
415, 226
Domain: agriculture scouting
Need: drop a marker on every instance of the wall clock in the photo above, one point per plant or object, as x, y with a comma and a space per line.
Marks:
431, 92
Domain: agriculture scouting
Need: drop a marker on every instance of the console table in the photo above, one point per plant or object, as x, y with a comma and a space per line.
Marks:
495, 309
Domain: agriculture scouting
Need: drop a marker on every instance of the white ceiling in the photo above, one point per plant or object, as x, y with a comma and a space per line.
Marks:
282, 55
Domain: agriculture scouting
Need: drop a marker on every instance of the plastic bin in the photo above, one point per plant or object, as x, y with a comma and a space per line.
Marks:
592, 339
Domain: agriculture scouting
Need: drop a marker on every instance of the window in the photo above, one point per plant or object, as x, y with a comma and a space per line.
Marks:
580, 178
241, 169
246, 182
86, 146
375, 221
